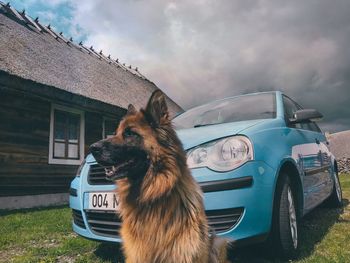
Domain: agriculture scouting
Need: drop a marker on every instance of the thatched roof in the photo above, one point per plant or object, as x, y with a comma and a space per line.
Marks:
36, 52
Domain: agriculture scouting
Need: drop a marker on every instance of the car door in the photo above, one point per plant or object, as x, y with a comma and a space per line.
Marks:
306, 151
325, 161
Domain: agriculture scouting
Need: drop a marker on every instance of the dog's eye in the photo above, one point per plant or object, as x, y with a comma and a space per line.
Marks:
128, 133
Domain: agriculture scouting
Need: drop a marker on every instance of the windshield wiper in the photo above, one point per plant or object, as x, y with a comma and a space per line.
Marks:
206, 124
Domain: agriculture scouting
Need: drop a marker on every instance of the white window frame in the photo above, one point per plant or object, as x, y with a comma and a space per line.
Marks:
81, 136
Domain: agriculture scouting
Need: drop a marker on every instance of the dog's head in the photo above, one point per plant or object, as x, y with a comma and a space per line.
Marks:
144, 140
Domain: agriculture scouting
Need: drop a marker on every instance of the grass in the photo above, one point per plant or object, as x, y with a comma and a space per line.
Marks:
45, 235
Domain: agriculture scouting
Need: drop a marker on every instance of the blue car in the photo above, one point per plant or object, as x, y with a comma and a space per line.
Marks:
260, 159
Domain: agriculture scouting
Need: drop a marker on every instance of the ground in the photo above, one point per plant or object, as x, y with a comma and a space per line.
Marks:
45, 235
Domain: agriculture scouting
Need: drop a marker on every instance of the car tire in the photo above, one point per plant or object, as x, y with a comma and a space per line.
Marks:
284, 234
335, 199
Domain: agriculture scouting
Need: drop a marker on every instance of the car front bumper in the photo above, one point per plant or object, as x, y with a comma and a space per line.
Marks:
248, 188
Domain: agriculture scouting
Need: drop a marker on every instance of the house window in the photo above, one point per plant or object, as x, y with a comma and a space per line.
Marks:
66, 136
109, 127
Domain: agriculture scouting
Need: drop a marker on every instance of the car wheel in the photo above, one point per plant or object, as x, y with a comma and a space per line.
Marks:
284, 233
335, 199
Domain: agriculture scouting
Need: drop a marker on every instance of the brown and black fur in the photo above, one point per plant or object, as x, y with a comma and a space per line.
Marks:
161, 205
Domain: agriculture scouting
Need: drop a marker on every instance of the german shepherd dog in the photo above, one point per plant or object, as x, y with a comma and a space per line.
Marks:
161, 205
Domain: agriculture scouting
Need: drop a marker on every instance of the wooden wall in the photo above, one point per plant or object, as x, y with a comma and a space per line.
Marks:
24, 146
93, 128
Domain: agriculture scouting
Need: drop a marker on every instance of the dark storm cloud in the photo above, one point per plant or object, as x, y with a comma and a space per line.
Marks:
197, 51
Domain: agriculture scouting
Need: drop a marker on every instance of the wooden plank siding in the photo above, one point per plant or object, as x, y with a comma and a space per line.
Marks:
93, 128
24, 146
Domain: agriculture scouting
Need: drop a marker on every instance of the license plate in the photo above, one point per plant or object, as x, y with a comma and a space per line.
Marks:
107, 201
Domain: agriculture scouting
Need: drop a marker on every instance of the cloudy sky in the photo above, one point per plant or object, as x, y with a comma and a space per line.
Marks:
198, 51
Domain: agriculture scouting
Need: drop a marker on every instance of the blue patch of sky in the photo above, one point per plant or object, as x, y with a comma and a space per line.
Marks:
59, 14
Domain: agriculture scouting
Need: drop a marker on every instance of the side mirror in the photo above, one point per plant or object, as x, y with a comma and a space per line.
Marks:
306, 115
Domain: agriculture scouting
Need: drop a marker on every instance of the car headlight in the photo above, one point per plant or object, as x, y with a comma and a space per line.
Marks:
222, 155
80, 168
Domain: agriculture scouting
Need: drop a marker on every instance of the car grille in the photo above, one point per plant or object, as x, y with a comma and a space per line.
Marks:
108, 224
223, 219
97, 175
78, 218
103, 223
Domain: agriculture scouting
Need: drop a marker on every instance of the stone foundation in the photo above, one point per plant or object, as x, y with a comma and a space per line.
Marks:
31, 201
344, 165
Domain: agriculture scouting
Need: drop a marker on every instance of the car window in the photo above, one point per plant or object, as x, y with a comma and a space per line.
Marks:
242, 108
290, 107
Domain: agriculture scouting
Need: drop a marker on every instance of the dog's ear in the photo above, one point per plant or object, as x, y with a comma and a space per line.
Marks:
157, 110
131, 110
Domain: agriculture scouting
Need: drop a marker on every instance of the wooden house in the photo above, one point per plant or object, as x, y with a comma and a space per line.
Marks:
56, 98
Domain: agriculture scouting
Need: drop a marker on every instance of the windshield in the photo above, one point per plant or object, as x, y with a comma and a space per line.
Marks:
242, 108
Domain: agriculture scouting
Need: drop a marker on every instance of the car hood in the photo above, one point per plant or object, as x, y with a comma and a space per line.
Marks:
196, 136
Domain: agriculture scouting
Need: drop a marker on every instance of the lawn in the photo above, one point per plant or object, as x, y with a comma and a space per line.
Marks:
45, 235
